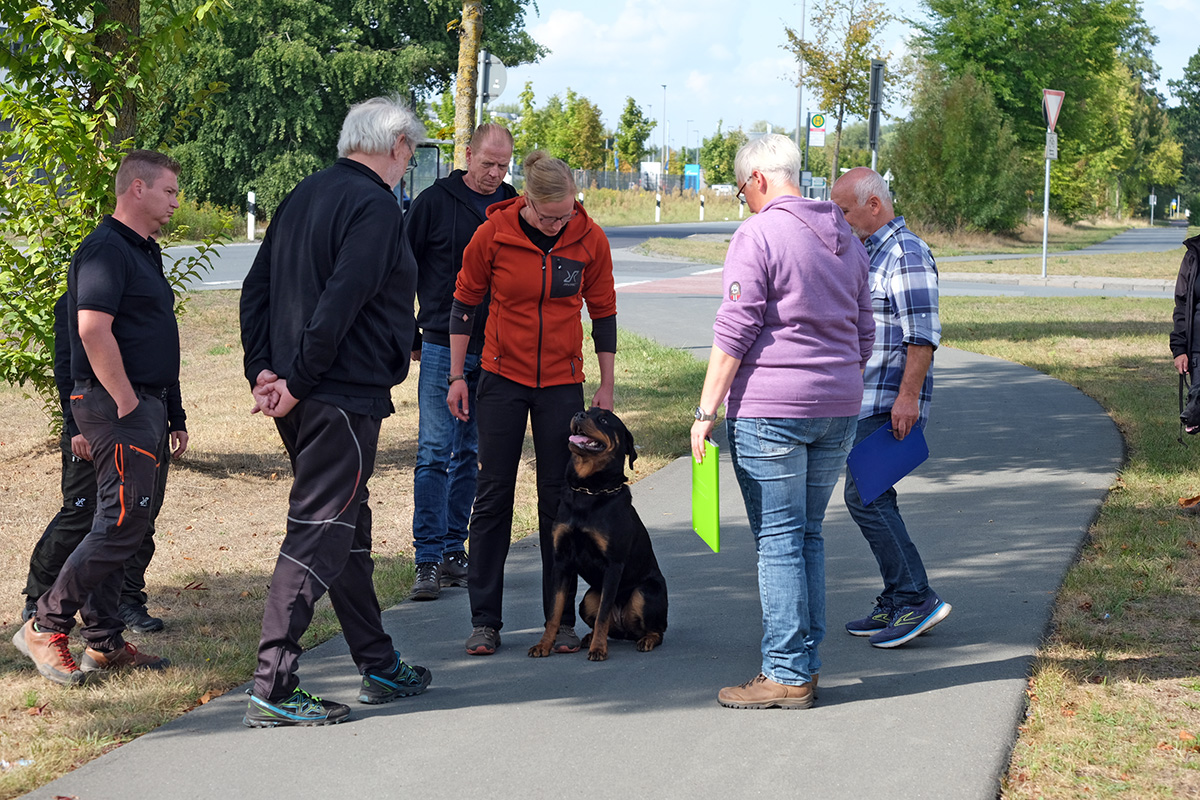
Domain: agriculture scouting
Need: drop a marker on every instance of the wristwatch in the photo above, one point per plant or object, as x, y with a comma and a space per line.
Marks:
702, 417
450, 379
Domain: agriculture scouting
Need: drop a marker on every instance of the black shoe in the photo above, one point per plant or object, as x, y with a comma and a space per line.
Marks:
401, 681
30, 609
454, 569
138, 620
427, 585
301, 708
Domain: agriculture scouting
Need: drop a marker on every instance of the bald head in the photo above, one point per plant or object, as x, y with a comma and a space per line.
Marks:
863, 196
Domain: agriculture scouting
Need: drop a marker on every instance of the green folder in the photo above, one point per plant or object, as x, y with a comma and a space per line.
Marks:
706, 497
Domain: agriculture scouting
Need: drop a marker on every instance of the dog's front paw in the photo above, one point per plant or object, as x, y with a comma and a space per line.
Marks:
649, 642
541, 650
598, 654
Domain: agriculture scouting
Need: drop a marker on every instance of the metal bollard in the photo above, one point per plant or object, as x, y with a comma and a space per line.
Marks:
702, 208
250, 209
657, 207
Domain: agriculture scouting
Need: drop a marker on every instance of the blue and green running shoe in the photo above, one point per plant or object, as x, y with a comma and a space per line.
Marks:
400, 681
301, 708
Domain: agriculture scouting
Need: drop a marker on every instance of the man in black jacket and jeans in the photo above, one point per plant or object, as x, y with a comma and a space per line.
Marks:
327, 326
1185, 346
440, 223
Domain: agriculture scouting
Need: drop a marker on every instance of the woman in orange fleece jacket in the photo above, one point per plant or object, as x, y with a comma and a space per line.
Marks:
540, 256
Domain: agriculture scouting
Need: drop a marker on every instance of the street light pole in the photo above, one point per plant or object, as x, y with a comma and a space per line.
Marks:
664, 137
687, 138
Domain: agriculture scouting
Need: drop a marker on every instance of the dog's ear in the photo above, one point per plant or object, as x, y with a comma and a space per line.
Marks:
629, 448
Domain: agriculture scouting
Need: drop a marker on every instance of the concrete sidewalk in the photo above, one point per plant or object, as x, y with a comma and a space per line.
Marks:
1020, 465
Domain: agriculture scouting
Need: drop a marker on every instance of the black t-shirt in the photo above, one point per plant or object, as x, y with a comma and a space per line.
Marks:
120, 273
542, 241
483, 201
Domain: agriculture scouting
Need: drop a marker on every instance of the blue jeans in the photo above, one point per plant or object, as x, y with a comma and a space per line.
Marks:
787, 469
447, 459
904, 579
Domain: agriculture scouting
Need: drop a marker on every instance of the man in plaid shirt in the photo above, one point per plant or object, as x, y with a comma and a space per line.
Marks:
898, 385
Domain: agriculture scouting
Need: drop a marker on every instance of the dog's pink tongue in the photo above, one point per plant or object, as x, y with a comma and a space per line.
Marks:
582, 441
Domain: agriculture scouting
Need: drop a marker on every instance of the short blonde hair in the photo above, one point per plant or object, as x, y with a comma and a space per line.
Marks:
772, 155
547, 179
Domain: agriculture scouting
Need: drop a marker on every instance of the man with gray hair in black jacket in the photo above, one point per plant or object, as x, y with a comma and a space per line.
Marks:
327, 326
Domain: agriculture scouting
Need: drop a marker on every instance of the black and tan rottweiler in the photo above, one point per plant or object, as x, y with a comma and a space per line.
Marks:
599, 537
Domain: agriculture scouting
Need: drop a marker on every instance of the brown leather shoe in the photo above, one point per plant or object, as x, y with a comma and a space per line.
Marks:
762, 692
127, 657
49, 651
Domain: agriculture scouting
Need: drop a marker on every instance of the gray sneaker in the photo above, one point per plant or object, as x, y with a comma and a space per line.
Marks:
454, 569
427, 585
483, 641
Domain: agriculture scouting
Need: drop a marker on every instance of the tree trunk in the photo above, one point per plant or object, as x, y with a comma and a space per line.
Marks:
470, 33
837, 147
128, 16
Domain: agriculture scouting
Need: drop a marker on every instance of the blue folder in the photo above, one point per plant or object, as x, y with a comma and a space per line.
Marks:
880, 460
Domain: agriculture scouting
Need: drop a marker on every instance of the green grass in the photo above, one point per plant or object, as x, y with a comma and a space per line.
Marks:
1110, 706
611, 208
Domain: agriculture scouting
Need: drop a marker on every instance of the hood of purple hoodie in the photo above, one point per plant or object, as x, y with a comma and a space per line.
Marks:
822, 217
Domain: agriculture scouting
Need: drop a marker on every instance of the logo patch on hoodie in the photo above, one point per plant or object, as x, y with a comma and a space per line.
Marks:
735, 291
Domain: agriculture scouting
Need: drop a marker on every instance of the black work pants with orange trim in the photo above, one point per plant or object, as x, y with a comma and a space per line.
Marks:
74, 521
124, 453
327, 547
502, 409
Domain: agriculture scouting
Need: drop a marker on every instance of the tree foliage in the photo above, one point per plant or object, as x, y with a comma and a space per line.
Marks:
633, 129
717, 153
293, 67
69, 96
837, 59
957, 162
569, 129
1185, 122
1017, 49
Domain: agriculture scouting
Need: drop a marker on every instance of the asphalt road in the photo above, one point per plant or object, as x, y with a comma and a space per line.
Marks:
232, 262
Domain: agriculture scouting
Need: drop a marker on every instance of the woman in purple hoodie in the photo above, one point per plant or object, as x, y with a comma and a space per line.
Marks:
791, 338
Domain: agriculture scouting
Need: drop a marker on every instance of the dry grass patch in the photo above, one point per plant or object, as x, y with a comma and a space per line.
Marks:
1114, 701
219, 532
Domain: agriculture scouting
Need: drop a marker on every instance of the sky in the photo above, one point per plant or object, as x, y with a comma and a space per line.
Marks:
723, 66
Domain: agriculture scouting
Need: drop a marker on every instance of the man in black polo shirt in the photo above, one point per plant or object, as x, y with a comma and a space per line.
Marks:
124, 360
327, 329
74, 520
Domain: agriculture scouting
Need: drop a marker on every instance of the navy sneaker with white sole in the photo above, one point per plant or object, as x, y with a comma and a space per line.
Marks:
909, 622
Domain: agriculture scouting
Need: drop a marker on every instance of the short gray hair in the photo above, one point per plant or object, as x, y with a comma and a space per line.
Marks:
772, 155
374, 125
870, 184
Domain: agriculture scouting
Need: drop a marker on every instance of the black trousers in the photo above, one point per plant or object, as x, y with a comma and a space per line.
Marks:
502, 410
327, 547
74, 521
127, 474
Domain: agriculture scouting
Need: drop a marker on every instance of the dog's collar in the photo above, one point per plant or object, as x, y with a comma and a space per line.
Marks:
597, 491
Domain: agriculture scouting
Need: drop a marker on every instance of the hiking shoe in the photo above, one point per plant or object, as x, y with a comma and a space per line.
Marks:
910, 622
483, 641
30, 609
565, 641
762, 692
301, 708
138, 620
454, 569
426, 586
126, 657
401, 681
49, 652
873, 623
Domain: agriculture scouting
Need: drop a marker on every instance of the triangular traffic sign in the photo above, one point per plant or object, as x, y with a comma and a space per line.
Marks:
1052, 101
